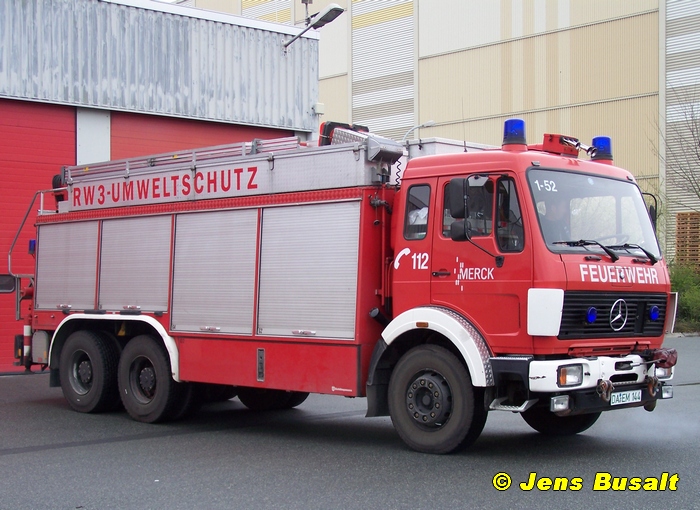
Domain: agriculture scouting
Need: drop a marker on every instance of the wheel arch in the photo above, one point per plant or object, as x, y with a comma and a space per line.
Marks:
423, 325
142, 324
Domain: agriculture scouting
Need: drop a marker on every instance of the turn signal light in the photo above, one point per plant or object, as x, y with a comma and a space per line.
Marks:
663, 373
570, 375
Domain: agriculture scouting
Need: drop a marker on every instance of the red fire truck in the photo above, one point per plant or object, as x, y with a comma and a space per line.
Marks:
518, 278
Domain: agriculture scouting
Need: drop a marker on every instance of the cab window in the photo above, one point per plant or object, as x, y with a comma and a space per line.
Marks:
417, 207
510, 232
480, 204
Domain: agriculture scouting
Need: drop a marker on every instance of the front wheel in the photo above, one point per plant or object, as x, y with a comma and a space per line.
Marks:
546, 422
147, 389
432, 402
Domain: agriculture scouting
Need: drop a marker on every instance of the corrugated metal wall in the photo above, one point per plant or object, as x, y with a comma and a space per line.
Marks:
334, 93
682, 108
278, 11
559, 82
383, 66
464, 24
120, 56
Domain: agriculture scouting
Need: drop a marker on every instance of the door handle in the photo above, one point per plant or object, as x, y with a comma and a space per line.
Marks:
441, 273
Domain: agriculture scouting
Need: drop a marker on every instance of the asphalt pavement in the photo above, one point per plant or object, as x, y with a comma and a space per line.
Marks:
327, 455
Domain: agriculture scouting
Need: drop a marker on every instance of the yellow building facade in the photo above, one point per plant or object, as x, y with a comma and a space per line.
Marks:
579, 67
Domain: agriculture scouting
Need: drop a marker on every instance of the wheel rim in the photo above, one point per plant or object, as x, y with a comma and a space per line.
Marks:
429, 400
142, 380
81, 372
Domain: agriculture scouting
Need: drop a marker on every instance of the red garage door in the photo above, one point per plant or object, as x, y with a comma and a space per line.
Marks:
140, 135
35, 141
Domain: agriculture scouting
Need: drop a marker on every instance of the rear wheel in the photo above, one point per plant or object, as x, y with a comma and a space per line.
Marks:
546, 422
188, 401
147, 389
432, 403
88, 372
296, 398
218, 392
262, 399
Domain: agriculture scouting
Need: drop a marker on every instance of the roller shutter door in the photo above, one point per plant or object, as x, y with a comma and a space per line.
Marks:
36, 139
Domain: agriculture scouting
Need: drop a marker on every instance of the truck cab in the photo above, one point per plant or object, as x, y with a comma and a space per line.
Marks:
549, 266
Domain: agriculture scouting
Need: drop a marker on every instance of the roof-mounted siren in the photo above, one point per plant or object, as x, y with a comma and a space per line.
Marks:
603, 153
567, 141
514, 135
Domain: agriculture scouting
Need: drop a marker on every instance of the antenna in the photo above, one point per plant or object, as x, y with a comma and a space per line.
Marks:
306, 5
464, 129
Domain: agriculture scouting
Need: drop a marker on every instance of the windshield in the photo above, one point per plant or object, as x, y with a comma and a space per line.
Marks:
576, 207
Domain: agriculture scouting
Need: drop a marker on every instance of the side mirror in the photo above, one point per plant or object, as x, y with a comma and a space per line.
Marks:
652, 215
457, 192
459, 230
652, 209
7, 283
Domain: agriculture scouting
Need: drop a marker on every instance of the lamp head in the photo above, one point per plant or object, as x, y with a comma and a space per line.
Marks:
326, 15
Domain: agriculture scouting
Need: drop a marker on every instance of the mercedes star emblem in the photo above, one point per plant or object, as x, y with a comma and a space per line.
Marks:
618, 315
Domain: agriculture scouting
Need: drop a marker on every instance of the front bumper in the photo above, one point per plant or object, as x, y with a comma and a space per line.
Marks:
606, 383
591, 401
620, 371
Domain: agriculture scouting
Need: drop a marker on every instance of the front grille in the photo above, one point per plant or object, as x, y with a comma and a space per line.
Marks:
577, 303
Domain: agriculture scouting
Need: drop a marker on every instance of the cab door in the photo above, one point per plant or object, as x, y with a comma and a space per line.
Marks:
412, 249
486, 279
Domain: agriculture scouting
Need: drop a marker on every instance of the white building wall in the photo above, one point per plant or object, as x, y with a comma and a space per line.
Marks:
682, 114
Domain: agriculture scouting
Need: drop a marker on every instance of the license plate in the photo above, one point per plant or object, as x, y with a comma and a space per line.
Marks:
625, 397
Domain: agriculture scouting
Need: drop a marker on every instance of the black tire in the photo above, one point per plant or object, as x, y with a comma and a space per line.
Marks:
296, 398
261, 399
147, 389
432, 403
218, 392
187, 402
546, 422
88, 372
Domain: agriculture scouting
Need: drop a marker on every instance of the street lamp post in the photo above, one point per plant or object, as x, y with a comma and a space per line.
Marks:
425, 124
317, 21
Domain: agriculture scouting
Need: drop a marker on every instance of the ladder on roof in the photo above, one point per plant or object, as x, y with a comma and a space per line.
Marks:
190, 158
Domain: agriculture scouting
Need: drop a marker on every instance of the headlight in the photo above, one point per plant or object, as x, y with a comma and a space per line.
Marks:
569, 375
559, 403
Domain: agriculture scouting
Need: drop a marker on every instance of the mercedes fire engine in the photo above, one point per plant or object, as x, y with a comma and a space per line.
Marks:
521, 278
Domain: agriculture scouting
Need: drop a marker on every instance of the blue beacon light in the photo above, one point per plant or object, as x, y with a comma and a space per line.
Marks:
514, 132
591, 315
654, 313
603, 146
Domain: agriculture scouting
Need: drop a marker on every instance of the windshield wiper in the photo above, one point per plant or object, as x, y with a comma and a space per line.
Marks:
586, 242
628, 247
